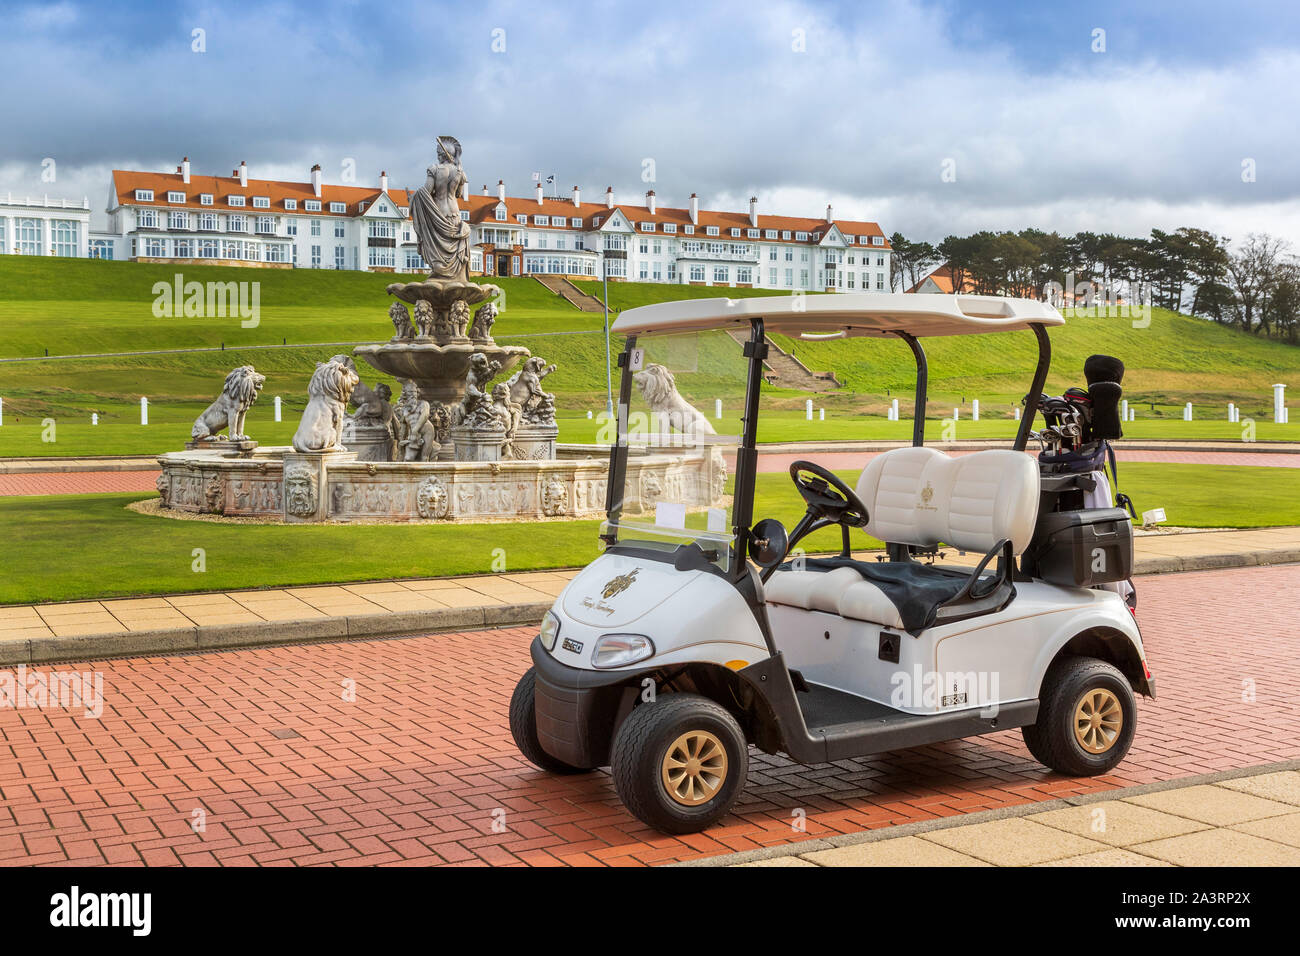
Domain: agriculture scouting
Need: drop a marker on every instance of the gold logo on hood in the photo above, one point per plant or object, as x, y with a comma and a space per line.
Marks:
927, 493
619, 584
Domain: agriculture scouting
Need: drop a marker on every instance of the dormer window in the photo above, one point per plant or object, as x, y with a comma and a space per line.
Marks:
817, 237
735, 233
313, 205
670, 228
541, 220
144, 195
711, 230
338, 207
877, 240
521, 218
175, 197
785, 234
647, 227
291, 204
501, 213
595, 223
406, 212
361, 207
575, 222
690, 230
464, 215
751, 233
769, 233
235, 200
261, 202
801, 237
205, 199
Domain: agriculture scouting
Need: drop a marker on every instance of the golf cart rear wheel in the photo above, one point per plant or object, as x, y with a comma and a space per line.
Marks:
679, 762
523, 727
1086, 718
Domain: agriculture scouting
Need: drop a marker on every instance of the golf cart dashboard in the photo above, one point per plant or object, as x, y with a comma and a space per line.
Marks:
683, 557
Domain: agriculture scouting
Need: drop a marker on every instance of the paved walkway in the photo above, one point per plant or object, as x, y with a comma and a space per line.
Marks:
182, 622
1248, 820
398, 752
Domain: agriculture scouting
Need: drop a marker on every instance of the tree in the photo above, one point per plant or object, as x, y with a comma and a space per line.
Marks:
1252, 273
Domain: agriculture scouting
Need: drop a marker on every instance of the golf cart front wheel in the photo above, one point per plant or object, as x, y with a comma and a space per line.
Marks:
523, 726
679, 762
1086, 718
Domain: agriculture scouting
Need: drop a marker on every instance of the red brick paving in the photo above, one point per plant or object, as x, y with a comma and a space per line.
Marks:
411, 772
77, 482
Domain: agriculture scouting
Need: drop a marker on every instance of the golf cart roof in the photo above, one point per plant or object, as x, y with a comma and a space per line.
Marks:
838, 315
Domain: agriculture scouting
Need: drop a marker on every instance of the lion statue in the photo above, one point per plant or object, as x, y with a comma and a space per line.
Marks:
239, 393
659, 389
328, 393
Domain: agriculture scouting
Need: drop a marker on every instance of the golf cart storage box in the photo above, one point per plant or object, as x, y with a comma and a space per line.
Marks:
1083, 548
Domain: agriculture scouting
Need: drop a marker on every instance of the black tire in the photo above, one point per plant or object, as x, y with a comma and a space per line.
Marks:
523, 727
642, 744
1052, 740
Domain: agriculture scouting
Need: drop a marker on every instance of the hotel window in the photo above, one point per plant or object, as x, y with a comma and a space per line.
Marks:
658, 272
670, 228
803, 255
209, 249
771, 277
880, 261
236, 224
849, 239
414, 263
771, 254
464, 215
880, 282
338, 257
789, 255
644, 247
744, 274
720, 273
541, 220
205, 199
803, 277
291, 227
99, 248
877, 240
559, 242
64, 237
735, 233
539, 242
175, 197
147, 219
851, 259
183, 248
785, 234
697, 273
261, 202
405, 212
789, 278
519, 218
690, 230
514, 265
647, 227
339, 229
315, 227
266, 225
338, 207
178, 220
645, 271
769, 233
156, 247
850, 275
232, 249
575, 222
381, 229
235, 200
277, 252
208, 220
657, 247
313, 205
361, 206
751, 233
672, 271
144, 195
711, 230
291, 204
315, 257
801, 237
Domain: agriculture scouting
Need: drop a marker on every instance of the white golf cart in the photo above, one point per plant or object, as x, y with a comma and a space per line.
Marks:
694, 635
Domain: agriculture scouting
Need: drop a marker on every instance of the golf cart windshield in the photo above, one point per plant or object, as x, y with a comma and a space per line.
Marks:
675, 436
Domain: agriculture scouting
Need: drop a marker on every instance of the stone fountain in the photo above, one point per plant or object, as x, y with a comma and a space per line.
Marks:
472, 435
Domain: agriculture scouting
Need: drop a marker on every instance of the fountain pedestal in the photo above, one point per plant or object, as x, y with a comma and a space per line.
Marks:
478, 444
371, 443
535, 442
306, 486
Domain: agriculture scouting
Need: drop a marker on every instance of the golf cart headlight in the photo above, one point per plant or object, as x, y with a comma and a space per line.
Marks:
616, 650
550, 630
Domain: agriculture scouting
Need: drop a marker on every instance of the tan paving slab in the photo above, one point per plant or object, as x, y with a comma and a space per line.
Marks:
310, 593
10, 615
776, 861
49, 611
1211, 804
1117, 823
1283, 786
900, 851
23, 633
1283, 829
1015, 841
1113, 857
97, 627
184, 601
238, 616
432, 584
1221, 847
463, 597
136, 604
376, 587
158, 624
405, 601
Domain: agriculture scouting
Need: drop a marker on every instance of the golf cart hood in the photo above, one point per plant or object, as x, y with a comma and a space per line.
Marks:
615, 590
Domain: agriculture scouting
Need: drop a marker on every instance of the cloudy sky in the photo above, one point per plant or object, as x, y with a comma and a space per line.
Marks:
928, 117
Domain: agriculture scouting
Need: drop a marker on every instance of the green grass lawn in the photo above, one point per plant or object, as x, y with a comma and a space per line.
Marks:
71, 547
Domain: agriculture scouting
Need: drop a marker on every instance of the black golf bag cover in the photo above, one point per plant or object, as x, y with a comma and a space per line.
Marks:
1104, 374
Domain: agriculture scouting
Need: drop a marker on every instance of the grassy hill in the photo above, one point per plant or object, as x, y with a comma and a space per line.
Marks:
67, 307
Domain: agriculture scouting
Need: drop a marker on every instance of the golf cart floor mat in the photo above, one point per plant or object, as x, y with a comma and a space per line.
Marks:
825, 708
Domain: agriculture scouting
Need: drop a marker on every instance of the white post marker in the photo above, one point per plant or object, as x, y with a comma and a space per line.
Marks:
1132, 414
807, 408
94, 418
2, 411
955, 413
277, 408
144, 410
1232, 412
717, 408
975, 410
821, 414
1017, 411
893, 411
1123, 410
1187, 412
1279, 403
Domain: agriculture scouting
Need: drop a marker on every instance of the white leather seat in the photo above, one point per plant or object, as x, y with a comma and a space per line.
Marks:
921, 497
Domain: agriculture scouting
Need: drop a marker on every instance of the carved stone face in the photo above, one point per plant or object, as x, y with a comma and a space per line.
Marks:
431, 499
300, 492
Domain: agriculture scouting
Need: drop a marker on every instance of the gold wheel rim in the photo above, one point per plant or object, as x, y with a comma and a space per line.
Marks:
694, 768
1098, 720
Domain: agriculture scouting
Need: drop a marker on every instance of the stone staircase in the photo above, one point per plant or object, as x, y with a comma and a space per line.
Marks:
787, 371
570, 293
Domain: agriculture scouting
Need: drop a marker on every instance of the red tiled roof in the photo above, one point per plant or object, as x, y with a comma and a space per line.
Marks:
126, 182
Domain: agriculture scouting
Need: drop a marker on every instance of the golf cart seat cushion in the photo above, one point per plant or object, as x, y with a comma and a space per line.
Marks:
839, 591
904, 595
920, 496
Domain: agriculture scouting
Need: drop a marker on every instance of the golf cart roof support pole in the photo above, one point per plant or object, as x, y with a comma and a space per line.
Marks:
1036, 389
922, 387
618, 450
742, 511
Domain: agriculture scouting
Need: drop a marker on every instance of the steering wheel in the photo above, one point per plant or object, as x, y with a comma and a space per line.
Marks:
827, 496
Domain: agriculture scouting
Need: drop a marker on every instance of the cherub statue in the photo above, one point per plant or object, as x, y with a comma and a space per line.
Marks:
508, 415
460, 318
483, 322
419, 443
526, 389
424, 318
401, 321
476, 407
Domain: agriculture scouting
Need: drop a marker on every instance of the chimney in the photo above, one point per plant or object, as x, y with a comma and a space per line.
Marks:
315, 180
185, 170
539, 194
501, 190
609, 197
650, 201
577, 200
695, 209
753, 211
383, 180
485, 190
464, 191
829, 216
243, 173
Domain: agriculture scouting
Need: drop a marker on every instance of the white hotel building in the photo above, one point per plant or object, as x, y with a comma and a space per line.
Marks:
44, 226
234, 220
